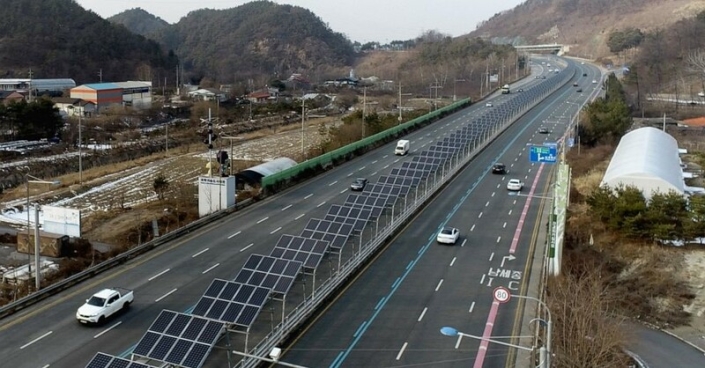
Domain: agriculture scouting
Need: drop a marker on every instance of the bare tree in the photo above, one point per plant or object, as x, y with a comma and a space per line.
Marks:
696, 63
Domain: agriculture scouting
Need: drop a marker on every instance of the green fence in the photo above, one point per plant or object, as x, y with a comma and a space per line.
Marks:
311, 167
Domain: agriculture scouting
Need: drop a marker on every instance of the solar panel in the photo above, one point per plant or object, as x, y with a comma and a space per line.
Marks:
308, 251
439, 148
440, 154
383, 190
334, 233
400, 180
180, 339
409, 173
420, 166
228, 300
355, 216
102, 360
376, 204
270, 272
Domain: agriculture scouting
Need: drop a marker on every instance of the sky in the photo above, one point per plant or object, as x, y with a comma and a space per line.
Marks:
361, 20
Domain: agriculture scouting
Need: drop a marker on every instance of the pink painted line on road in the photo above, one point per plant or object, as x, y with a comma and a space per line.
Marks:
480, 359
520, 226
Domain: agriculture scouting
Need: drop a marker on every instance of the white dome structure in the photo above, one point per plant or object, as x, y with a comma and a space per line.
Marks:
646, 158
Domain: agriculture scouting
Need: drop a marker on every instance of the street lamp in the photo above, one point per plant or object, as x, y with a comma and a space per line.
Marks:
273, 358
34, 180
549, 325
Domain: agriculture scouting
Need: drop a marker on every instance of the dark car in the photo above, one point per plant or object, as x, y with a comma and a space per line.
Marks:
543, 130
358, 185
584, 74
499, 169
575, 84
579, 90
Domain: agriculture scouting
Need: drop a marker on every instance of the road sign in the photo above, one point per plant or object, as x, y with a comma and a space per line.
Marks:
543, 154
501, 294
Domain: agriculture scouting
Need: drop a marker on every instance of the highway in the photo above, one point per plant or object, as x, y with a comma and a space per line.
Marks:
175, 276
392, 314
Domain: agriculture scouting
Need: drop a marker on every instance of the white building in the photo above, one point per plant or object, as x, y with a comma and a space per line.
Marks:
646, 158
137, 94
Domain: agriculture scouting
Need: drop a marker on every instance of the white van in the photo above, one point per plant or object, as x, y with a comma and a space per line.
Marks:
402, 147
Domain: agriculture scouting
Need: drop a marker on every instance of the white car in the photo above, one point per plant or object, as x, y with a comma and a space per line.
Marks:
514, 185
448, 235
489, 104
594, 81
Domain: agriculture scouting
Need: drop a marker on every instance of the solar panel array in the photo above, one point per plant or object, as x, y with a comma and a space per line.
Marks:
232, 302
179, 339
305, 250
270, 272
357, 217
336, 234
102, 360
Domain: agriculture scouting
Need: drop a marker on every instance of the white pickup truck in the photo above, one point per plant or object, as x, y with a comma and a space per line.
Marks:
104, 304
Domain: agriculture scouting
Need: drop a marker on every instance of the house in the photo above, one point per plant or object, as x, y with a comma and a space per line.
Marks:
8, 97
263, 95
73, 106
208, 94
102, 95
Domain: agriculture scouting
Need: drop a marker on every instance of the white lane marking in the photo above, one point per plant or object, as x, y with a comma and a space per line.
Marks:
422, 314
308, 196
321, 204
385, 166
375, 173
106, 330
402, 350
299, 216
505, 225
333, 183
397, 160
498, 185
385, 156
453, 261
362, 168
439, 284
159, 274
374, 162
499, 238
199, 253
510, 212
165, 295
482, 280
491, 256
234, 235
287, 207
351, 174
457, 344
492, 194
480, 215
263, 220
487, 204
343, 191
35, 340
472, 228
472, 306
210, 268
463, 243
247, 247
275, 230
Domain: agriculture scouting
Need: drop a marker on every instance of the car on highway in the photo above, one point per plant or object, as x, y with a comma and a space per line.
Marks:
514, 185
358, 184
489, 104
520, 90
104, 304
584, 74
499, 168
575, 84
448, 235
594, 81
543, 130
579, 90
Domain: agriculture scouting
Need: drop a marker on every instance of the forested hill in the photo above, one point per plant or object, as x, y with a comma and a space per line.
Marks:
139, 21
60, 39
257, 38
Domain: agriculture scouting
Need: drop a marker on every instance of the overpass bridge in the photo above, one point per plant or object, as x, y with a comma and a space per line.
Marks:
554, 48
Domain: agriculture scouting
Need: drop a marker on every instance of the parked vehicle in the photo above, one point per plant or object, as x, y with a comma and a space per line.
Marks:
402, 147
103, 304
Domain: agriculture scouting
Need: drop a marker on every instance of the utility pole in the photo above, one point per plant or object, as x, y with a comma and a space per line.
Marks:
100, 75
80, 156
399, 106
303, 117
364, 109
29, 88
166, 141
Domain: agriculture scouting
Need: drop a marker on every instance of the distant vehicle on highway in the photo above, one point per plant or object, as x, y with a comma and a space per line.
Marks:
402, 147
103, 304
543, 130
594, 81
489, 104
505, 89
575, 84
448, 235
579, 90
514, 185
358, 185
584, 74
499, 168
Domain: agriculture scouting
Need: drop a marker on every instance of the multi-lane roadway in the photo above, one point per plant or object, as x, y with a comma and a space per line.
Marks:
175, 276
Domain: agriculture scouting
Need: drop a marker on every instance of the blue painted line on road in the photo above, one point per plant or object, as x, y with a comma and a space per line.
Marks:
127, 352
429, 239
411, 264
422, 248
380, 302
360, 328
335, 362
396, 283
190, 310
343, 355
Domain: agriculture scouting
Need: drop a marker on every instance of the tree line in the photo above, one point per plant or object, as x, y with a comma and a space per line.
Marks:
34, 120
